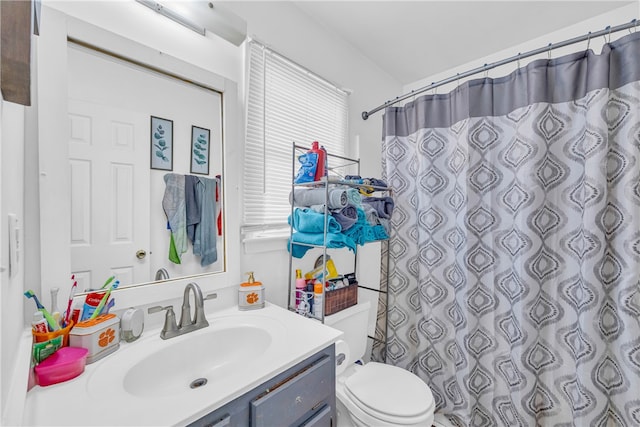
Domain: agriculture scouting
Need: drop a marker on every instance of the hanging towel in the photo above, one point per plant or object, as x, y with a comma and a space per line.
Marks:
174, 207
334, 240
206, 240
192, 204
309, 221
336, 199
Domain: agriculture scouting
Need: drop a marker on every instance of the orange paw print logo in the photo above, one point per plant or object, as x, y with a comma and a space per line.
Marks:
252, 298
106, 337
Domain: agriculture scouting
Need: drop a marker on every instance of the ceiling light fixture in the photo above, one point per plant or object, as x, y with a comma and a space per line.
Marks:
174, 16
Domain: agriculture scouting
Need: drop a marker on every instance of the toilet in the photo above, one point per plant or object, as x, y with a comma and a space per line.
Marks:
374, 394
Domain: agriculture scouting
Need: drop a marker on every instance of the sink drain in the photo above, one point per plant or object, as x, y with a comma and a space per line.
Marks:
198, 383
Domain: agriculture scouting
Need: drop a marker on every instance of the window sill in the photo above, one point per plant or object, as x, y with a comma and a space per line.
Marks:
271, 242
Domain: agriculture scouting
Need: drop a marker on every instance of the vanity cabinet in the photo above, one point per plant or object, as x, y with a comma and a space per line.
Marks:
303, 395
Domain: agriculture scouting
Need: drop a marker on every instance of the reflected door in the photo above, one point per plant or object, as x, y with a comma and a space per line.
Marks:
108, 161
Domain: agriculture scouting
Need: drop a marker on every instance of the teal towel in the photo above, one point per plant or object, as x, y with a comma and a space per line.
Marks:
334, 240
310, 221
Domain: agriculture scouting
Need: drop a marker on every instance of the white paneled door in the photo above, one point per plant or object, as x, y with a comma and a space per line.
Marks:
109, 171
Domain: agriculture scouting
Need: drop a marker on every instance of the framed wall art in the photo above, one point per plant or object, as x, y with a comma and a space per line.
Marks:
161, 143
200, 150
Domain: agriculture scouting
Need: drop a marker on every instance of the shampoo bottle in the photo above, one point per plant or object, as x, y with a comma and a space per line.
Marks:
318, 304
301, 285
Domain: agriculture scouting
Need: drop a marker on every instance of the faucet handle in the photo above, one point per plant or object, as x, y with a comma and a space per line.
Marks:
170, 328
158, 308
211, 296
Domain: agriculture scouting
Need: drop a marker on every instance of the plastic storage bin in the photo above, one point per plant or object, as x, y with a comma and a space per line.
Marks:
101, 336
63, 365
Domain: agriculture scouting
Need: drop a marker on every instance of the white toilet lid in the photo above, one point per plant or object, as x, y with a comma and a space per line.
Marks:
399, 394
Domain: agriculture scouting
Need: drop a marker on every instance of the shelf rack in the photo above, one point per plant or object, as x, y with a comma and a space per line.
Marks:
339, 167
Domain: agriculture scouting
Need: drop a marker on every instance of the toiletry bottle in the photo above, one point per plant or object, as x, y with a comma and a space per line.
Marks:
39, 323
321, 160
326, 160
301, 285
55, 311
318, 304
309, 296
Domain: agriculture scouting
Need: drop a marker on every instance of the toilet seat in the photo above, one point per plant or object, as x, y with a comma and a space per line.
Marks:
388, 394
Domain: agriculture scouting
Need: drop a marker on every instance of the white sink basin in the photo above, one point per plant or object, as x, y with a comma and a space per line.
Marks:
226, 351
196, 361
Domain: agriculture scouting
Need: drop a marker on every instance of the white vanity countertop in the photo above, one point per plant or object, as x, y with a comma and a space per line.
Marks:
99, 396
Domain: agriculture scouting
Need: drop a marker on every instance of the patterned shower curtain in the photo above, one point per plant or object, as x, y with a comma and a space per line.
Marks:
514, 261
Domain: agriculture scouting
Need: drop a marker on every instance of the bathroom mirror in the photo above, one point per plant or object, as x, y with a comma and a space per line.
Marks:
121, 126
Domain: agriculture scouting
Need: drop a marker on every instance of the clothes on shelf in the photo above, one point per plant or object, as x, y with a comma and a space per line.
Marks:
352, 220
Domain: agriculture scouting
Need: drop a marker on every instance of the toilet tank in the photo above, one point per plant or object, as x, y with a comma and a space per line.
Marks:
353, 322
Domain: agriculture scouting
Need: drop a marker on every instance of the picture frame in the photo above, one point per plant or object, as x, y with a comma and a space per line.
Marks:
200, 148
161, 147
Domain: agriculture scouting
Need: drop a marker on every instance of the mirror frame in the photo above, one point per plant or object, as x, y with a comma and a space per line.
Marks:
53, 132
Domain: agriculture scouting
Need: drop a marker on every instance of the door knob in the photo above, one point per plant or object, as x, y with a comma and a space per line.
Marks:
141, 253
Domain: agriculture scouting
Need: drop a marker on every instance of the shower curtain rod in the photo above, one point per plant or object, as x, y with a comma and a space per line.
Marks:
486, 67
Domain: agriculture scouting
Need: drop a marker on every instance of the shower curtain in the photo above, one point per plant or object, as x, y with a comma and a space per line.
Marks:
514, 258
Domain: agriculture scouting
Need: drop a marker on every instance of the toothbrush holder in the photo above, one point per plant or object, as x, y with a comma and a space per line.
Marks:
46, 336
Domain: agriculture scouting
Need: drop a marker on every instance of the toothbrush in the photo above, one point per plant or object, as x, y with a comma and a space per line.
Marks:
109, 280
104, 299
72, 293
50, 320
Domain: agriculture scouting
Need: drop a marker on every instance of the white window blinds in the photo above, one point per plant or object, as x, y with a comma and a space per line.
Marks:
285, 104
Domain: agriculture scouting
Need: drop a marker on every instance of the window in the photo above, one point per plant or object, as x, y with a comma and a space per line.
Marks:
285, 104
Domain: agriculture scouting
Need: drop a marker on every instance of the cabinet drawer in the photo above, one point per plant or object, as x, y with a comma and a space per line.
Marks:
323, 418
297, 396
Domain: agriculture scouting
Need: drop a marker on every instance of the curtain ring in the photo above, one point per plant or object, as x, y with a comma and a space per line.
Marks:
589, 40
604, 36
518, 59
609, 34
458, 80
486, 71
549, 52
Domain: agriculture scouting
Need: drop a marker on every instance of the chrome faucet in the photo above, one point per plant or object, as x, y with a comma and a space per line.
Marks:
187, 323
162, 274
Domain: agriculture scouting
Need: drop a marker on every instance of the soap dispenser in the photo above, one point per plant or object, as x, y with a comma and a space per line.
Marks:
250, 294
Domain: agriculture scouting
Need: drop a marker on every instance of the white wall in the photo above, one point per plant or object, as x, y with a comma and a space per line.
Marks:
11, 287
615, 17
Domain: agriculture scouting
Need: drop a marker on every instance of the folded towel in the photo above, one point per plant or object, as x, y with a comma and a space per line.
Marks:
382, 205
354, 197
370, 213
346, 216
336, 199
334, 240
309, 221
174, 206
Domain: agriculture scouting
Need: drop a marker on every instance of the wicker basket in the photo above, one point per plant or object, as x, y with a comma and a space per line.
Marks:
339, 299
